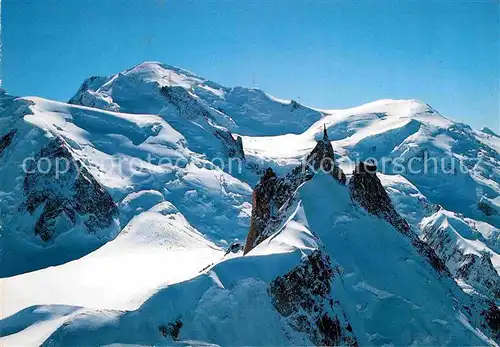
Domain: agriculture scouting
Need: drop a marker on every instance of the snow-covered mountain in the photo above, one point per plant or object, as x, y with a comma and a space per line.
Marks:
123, 222
157, 88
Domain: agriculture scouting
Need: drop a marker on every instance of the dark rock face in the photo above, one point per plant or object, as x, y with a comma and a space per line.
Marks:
367, 190
303, 296
295, 105
239, 142
477, 270
232, 147
322, 157
189, 108
262, 199
234, 247
269, 196
6, 140
171, 329
92, 199
425, 250
483, 206
65, 190
485, 315
273, 192
491, 316
90, 84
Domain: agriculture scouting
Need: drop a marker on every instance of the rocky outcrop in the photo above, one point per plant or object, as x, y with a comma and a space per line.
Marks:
269, 196
233, 148
273, 198
304, 297
234, 247
171, 329
483, 314
487, 206
476, 270
491, 316
273, 192
63, 193
367, 190
479, 269
239, 142
322, 158
188, 107
6, 140
262, 203
84, 94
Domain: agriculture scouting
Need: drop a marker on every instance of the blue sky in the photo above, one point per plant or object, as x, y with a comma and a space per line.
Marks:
330, 54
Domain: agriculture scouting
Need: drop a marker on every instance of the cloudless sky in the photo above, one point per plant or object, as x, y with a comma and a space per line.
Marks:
329, 54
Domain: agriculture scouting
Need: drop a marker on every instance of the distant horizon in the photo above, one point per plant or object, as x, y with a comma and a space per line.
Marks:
324, 55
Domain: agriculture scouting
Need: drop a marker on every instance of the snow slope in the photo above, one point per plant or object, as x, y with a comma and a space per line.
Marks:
158, 247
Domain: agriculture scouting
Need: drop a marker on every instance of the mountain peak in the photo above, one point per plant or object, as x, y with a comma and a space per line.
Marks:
159, 68
488, 131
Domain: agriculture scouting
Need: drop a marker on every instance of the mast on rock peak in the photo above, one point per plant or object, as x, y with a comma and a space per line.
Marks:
325, 133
